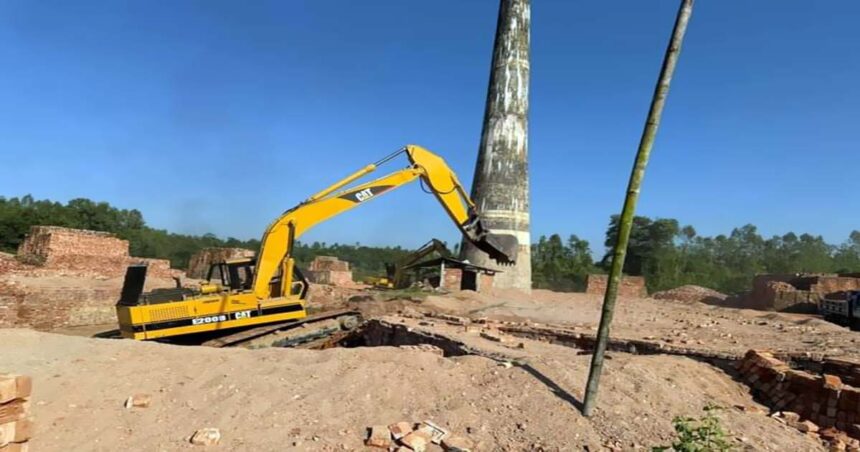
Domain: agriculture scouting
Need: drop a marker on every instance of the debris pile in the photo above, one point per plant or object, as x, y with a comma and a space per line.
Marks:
814, 404
691, 294
16, 425
407, 436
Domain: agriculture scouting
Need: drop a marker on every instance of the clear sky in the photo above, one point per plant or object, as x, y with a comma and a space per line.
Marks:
216, 116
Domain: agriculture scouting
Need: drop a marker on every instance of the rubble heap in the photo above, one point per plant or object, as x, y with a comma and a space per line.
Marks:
809, 402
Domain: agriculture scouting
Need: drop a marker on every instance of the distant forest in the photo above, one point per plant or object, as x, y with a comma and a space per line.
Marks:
664, 252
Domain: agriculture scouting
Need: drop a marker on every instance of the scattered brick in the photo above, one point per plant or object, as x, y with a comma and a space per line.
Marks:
16, 432
206, 437
14, 387
400, 429
138, 401
378, 436
417, 441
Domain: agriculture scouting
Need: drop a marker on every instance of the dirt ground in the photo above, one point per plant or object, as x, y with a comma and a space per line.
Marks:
277, 399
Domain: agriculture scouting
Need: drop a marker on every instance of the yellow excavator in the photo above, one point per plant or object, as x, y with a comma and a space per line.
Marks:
241, 293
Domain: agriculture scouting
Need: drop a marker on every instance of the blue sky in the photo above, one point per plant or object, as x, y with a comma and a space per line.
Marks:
216, 116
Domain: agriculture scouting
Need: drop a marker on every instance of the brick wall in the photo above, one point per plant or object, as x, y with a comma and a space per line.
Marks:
68, 277
328, 263
329, 270
630, 286
822, 399
452, 278
74, 249
796, 292
198, 266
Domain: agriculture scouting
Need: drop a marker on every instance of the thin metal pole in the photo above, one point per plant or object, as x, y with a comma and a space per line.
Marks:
626, 222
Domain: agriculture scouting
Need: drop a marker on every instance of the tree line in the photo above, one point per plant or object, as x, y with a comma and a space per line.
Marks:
669, 255
664, 252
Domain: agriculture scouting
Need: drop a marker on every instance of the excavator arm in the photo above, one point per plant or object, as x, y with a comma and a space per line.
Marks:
435, 175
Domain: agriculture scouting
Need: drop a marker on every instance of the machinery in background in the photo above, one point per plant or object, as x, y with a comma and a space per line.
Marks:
843, 312
395, 277
245, 292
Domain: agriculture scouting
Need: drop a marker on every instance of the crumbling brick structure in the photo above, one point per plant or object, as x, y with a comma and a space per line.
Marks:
329, 270
69, 277
199, 264
630, 286
82, 252
822, 399
797, 292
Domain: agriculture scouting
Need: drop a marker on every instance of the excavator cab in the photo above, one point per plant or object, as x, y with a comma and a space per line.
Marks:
237, 274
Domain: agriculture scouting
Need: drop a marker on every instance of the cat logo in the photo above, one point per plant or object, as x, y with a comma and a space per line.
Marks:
364, 195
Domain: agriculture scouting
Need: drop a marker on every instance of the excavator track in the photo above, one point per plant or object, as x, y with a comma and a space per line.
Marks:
279, 334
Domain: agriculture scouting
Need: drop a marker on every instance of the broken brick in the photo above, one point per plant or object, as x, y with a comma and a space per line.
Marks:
417, 440
379, 436
400, 429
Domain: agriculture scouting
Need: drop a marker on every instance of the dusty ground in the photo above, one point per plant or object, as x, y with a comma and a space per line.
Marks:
695, 325
275, 399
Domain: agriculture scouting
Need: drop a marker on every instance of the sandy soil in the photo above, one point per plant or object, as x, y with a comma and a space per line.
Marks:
696, 325
276, 399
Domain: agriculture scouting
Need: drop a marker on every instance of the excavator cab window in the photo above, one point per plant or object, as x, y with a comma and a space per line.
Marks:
235, 275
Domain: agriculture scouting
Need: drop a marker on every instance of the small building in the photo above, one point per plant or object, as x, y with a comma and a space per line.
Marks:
329, 270
452, 274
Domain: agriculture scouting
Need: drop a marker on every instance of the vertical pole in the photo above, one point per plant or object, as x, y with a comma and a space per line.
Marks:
670, 60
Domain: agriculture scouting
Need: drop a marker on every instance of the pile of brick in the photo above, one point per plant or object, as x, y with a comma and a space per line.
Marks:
630, 286
16, 424
329, 270
198, 266
817, 404
408, 436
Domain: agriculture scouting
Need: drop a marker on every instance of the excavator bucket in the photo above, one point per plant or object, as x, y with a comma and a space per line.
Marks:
502, 248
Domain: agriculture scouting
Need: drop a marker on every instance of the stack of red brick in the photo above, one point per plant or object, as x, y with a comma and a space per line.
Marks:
330, 270
630, 286
16, 425
821, 399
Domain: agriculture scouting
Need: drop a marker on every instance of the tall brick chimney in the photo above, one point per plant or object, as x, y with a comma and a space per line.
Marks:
501, 184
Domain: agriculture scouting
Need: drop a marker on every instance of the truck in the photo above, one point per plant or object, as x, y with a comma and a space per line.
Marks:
843, 312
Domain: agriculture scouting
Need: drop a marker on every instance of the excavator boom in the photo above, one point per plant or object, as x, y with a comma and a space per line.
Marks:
435, 175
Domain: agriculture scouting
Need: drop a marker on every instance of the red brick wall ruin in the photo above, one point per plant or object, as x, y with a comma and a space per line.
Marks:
630, 286
69, 277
